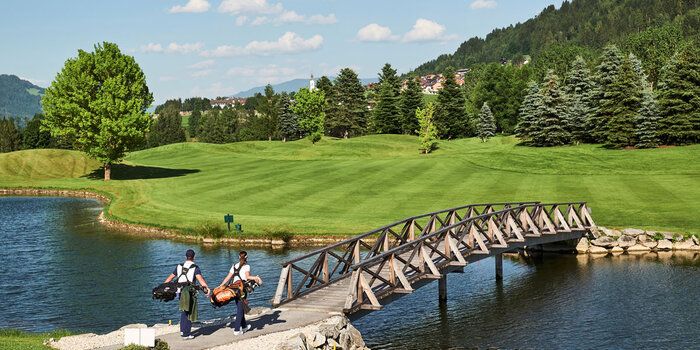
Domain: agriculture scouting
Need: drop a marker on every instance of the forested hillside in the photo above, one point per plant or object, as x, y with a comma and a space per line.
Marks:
584, 23
19, 98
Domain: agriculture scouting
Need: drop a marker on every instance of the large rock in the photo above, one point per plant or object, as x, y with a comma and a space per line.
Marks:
626, 241
664, 244
643, 238
638, 248
595, 232
650, 244
582, 246
695, 240
597, 250
617, 250
634, 232
683, 245
609, 232
606, 242
297, 342
355, 336
667, 235
315, 340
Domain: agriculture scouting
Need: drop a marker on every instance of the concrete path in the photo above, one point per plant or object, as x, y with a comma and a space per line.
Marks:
209, 336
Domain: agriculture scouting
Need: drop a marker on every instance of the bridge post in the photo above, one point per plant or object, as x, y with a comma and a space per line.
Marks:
499, 267
442, 288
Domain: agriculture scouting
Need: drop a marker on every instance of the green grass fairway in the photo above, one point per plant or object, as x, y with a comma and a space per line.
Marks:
13, 339
351, 186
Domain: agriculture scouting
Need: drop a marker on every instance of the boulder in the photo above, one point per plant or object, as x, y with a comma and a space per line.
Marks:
355, 336
594, 232
650, 244
582, 246
643, 238
332, 344
606, 242
597, 250
678, 238
315, 340
344, 339
617, 250
667, 235
297, 342
634, 232
664, 244
626, 241
695, 240
683, 245
638, 248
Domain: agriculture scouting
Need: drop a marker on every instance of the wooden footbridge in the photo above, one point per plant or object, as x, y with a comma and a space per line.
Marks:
360, 274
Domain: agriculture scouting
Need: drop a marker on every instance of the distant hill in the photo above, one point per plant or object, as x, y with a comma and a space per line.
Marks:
586, 23
290, 86
19, 98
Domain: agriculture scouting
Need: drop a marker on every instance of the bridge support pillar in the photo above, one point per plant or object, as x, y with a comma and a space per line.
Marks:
499, 267
442, 288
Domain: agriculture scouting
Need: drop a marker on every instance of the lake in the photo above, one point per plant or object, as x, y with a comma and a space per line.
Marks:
65, 270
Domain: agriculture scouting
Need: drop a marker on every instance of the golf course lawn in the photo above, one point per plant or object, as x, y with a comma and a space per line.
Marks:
13, 339
352, 186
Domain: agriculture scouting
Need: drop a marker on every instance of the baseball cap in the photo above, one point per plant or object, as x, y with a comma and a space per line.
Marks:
189, 253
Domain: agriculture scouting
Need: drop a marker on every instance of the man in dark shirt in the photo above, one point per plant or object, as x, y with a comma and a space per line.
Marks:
186, 273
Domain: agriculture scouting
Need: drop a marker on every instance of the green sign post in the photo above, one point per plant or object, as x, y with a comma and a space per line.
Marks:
228, 219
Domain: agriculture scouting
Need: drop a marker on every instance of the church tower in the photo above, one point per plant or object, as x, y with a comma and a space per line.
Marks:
312, 84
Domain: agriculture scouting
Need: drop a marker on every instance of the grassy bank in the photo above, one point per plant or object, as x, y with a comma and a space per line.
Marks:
351, 186
13, 339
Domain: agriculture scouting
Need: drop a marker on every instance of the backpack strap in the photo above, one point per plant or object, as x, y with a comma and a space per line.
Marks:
183, 272
237, 272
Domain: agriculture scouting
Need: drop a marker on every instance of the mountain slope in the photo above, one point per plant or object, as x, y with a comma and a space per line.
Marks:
290, 86
589, 23
19, 98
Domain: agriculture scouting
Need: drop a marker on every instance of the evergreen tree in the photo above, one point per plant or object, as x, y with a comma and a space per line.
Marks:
289, 122
386, 114
647, 122
451, 119
34, 137
601, 106
213, 127
326, 85
638, 70
347, 107
529, 111
193, 122
679, 98
552, 127
623, 104
411, 100
167, 129
269, 113
427, 132
486, 125
579, 90
10, 136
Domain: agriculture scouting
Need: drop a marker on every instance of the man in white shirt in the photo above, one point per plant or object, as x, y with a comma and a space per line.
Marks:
186, 273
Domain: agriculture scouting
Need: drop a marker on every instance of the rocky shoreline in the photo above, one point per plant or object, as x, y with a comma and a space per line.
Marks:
632, 240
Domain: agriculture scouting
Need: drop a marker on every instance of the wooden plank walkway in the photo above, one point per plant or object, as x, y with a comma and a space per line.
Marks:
409, 254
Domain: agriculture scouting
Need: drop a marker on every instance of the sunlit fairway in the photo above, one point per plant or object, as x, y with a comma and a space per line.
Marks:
351, 186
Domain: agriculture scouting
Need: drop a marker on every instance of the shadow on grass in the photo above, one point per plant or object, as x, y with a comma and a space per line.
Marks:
138, 172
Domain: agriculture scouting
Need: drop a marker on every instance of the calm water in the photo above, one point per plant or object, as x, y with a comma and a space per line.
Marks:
64, 270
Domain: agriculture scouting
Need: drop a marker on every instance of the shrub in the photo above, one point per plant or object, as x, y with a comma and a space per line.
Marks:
283, 232
210, 229
160, 345
658, 236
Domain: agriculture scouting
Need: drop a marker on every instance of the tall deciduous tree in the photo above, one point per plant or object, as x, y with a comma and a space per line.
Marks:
347, 106
579, 89
99, 101
310, 106
451, 119
552, 125
289, 122
386, 113
529, 111
655, 46
606, 75
427, 132
679, 98
411, 100
623, 105
486, 127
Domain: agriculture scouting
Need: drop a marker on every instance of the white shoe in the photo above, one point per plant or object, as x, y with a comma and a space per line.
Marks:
238, 332
188, 337
247, 328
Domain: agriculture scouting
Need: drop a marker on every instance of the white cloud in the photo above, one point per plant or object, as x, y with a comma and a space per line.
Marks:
259, 21
375, 32
240, 20
426, 30
237, 7
193, 6
214, 90
271, 73
172, 48
167, 78
290, 17
287, 43
321, 19
201, 65
184, 48
241, 71
483, 4
202, 73
151, 47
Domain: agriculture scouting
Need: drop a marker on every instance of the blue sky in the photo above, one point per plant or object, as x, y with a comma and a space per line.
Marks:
219, 47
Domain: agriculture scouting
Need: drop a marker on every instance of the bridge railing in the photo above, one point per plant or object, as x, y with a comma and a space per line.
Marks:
328, 265
396, 268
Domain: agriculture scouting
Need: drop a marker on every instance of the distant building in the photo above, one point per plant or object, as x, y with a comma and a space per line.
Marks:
231, 102
312, 84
